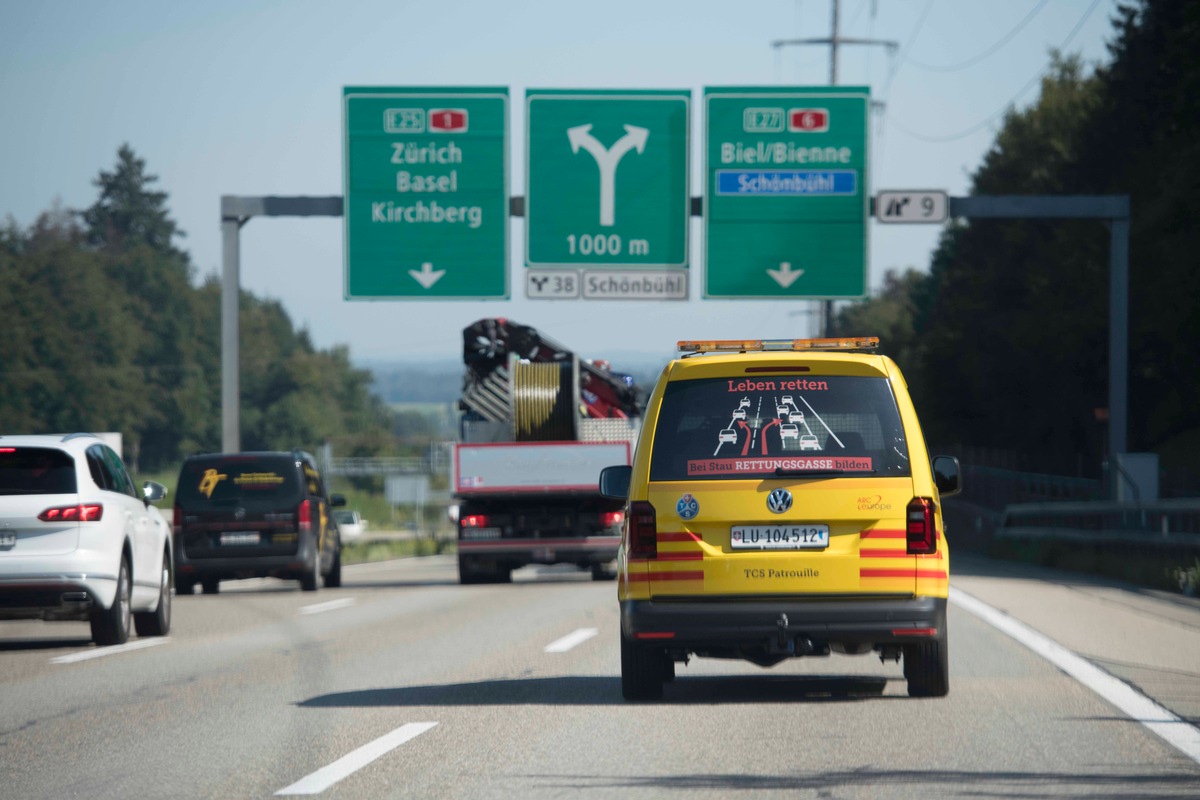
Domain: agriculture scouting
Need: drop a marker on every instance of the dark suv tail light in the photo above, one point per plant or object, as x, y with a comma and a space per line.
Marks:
84, 512
920, 531
643, 530
612, 519
304, 517
474, 521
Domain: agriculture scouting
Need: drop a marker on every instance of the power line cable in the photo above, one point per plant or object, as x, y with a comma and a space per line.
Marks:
912, 37
981, 56
1002, 110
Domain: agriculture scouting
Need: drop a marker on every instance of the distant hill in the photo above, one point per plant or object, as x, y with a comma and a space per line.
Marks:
441, 382
428, 382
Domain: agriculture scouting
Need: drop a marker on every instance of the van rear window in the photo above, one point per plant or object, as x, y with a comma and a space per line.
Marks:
36, 470
763, 426
242, 481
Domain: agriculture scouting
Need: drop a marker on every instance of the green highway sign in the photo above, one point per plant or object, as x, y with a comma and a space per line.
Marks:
786, 192
425, 174
607, 178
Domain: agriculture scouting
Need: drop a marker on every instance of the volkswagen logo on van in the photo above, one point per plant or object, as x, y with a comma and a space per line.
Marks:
779, 500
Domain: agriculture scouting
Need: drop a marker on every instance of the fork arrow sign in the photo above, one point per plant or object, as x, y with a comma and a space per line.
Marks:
427, 276
607, 160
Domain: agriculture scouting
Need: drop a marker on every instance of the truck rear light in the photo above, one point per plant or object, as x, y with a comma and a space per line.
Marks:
643, 530
304, 517
474, 521
920, 531
83, 512
612, 519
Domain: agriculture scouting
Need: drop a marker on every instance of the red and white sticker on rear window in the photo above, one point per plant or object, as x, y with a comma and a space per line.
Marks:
759, 466
447, 120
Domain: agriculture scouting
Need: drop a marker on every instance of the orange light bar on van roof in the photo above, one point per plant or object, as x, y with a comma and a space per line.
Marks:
756, 345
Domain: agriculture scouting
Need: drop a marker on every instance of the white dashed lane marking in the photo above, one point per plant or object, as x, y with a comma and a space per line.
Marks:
101, 652
571, 640
352, 762
332, 605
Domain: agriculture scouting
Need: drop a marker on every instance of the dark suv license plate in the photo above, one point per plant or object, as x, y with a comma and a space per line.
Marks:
240, 537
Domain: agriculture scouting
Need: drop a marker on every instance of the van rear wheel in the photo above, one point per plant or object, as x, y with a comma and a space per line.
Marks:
643, 670
927, 667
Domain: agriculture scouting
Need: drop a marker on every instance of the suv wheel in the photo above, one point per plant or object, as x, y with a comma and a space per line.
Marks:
111, 625
308, 581
926, 667
334, 579
158, 621
643, 670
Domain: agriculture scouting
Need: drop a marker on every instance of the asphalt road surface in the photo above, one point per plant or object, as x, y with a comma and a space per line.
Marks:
404, 684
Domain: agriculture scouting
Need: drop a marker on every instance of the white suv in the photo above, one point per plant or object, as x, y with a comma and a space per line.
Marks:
78, 541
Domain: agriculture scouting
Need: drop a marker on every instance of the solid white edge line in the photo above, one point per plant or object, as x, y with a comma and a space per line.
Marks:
332, 605
101, 652
572, 639
352, 762
1175, 731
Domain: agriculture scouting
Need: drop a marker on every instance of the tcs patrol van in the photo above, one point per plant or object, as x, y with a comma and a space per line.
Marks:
815, 527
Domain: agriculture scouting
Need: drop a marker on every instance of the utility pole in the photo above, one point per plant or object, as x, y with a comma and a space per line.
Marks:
834, 41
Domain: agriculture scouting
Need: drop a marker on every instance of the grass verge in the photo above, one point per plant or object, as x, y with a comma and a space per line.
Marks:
388, 549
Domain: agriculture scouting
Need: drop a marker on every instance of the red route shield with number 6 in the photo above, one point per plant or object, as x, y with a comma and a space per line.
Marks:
448, 120
808, 120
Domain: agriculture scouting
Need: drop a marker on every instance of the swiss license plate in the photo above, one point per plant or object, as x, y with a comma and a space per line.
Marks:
8, 539
779, 537
240, 537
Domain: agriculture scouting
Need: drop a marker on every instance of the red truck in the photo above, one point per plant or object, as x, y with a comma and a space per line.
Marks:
537, 426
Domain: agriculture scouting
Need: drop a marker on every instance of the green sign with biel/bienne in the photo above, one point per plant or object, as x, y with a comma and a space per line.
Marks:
426, 209
786, 195
607, 178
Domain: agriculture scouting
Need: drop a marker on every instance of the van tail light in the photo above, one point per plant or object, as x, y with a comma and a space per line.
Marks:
304, 517
84, 512
920, 532
612, 519
643, 530
474, 521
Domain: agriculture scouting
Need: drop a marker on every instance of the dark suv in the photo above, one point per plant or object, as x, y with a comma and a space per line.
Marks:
253, 515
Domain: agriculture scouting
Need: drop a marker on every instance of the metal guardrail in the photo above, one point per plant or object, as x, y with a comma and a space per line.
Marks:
378, 466
1163, 523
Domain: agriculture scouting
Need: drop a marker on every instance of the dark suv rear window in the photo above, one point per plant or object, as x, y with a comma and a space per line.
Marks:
750, 427
36, 470
245, 481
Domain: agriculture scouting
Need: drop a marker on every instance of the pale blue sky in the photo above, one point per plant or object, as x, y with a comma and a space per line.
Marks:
242, 97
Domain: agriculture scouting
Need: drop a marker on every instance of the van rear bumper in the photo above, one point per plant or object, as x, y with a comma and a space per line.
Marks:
696, 625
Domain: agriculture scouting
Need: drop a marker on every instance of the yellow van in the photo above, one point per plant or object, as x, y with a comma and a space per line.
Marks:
810, 531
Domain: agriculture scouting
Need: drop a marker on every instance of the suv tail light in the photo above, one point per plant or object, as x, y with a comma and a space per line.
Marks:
84, 512
920, 532
612, 519
474, 521
304, 517
643, 530
178, 520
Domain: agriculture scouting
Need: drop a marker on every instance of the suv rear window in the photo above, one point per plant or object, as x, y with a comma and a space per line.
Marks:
36, 470
244, 481
750, 427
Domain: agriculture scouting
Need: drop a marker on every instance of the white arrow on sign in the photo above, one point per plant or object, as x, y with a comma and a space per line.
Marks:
784, 276
607, 160
427, 276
